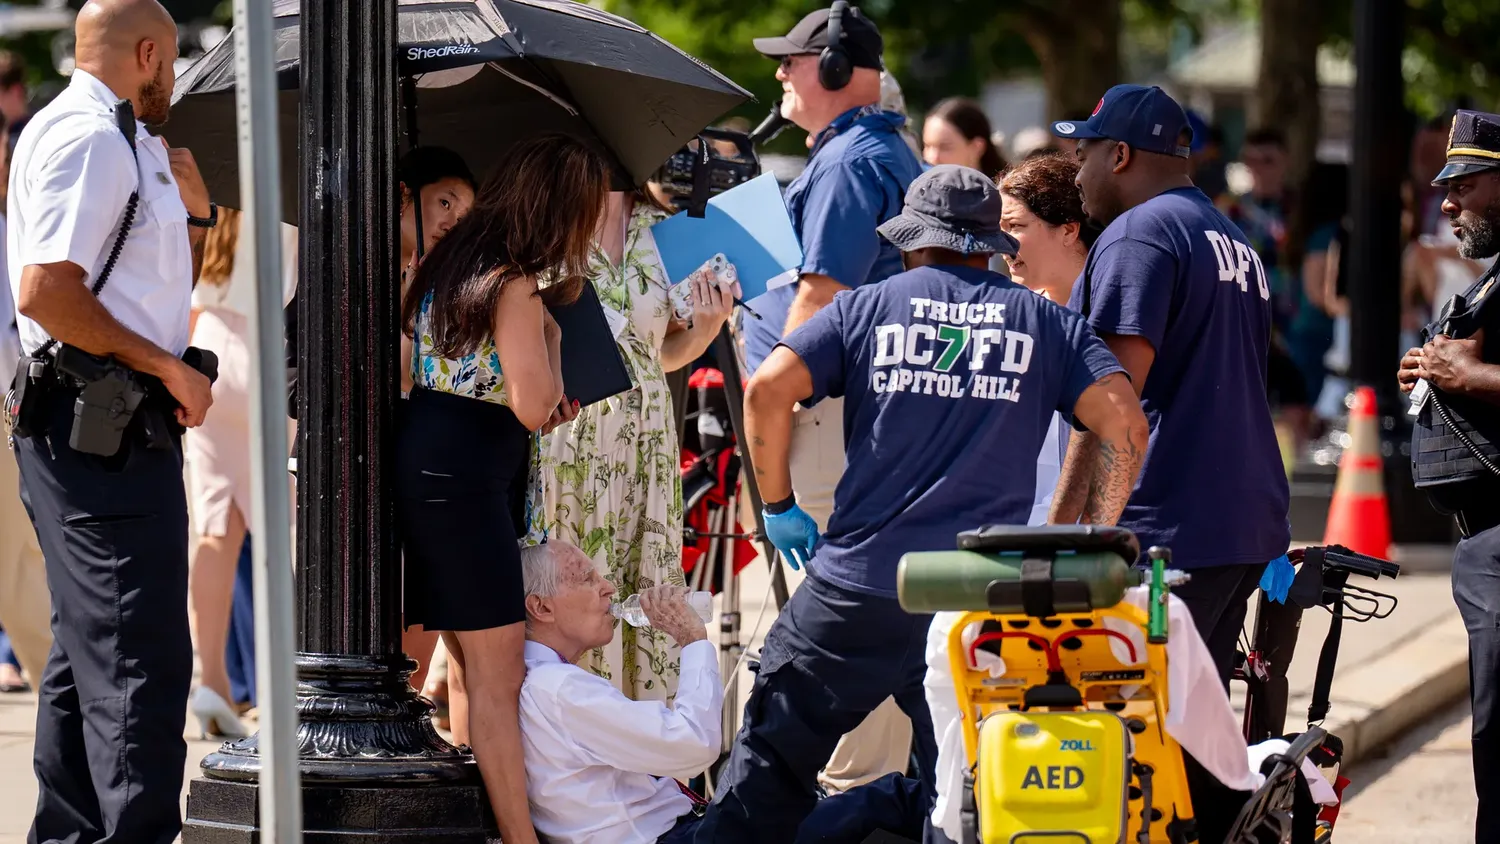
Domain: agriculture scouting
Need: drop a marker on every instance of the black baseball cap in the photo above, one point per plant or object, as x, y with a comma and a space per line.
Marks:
1473, 145
1145, 118
860, 39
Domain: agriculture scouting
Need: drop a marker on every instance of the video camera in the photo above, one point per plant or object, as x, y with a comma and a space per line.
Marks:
702, 170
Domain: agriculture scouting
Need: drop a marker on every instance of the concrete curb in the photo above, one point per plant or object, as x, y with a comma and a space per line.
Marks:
1375, 703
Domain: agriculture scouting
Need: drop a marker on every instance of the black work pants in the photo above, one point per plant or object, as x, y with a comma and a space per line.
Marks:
1218, 599
109, 751
1476, 590
832, 656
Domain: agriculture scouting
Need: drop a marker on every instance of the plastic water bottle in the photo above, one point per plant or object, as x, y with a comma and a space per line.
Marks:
630, 612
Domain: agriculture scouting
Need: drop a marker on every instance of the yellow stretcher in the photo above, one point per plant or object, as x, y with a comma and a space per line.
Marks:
1068, 744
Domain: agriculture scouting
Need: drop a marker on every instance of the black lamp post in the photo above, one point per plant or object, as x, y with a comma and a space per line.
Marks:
373, 768
1380, 154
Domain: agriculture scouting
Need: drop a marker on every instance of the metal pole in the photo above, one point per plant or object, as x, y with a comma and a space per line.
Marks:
260, 192
373, 768
1380, 144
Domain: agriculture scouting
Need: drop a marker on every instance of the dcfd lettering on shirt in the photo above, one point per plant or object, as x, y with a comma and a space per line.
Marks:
1235, 261
945, 349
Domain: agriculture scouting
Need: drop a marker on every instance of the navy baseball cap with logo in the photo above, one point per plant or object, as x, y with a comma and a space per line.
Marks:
1145, 118
1473, 145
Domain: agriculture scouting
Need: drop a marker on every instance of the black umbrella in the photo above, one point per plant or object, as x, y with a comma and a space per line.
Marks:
484, 74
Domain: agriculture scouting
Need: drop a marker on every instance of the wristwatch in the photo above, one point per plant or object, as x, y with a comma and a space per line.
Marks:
205, 222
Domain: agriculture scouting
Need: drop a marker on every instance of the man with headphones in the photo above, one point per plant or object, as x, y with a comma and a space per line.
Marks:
856, 178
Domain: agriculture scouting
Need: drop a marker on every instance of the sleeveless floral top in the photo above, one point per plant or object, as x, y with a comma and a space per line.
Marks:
477, 375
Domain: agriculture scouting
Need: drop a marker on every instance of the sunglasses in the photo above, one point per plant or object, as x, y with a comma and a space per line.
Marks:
787, 61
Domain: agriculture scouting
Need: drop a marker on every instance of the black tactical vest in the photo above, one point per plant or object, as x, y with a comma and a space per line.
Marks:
1457, 438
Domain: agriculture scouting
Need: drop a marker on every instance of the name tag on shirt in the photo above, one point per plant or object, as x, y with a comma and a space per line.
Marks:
1419, 396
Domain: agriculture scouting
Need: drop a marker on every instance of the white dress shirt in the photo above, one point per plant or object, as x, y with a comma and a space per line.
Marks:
601, 767
70, 178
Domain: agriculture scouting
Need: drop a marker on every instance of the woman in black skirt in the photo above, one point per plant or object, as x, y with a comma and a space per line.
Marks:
488, 378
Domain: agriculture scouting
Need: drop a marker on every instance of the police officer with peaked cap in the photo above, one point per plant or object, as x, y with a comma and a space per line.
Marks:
106, 225
1454, 384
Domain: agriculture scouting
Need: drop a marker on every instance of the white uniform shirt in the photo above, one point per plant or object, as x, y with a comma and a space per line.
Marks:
70, 179
601, 767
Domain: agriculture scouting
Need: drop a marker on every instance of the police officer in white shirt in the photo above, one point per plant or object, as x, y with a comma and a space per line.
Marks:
113, 527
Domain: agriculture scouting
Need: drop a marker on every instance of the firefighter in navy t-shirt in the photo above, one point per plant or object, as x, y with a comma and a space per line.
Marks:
950, 375
1181, 298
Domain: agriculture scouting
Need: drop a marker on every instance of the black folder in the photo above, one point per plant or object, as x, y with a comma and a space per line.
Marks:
592, 367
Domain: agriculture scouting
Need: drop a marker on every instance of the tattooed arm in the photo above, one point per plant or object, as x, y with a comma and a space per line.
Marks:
779, 383
1110, 460
1073, 482
1076, 482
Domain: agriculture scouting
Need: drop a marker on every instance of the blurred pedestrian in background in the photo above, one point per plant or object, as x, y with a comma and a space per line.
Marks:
958, 132
613, 488
488, 375
1043, 213
856, 178
1263, 215
24, 601
218, 457
1325, 201
1208, 157
15, 98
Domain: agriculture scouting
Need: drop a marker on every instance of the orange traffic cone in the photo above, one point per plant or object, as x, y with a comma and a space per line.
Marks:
1358, 517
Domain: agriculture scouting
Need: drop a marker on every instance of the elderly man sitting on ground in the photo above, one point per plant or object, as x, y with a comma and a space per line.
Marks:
599, 766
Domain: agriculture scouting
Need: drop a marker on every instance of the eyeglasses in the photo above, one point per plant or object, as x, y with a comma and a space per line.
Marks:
786, 62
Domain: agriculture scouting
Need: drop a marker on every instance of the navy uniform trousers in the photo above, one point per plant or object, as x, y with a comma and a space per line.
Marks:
113, 700
1476, 590
831, 657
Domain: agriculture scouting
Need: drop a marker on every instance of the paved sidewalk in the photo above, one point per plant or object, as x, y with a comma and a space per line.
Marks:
1421, 640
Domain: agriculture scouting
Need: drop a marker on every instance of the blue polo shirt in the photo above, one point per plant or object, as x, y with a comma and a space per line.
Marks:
1177, 272
950, 378
856, 178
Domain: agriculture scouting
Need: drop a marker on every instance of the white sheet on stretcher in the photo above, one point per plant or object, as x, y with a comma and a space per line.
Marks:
1199, 715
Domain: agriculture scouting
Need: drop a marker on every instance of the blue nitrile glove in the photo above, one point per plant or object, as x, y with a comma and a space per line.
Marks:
1277, 579
794, 533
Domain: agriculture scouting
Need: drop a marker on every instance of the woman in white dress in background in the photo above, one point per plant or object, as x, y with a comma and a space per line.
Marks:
218, 454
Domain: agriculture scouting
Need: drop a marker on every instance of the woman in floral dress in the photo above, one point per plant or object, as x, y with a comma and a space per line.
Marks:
612, 482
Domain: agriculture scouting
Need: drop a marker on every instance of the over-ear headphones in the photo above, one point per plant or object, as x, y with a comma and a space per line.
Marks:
834, 67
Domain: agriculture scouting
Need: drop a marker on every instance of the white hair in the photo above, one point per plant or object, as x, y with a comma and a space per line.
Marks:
540, 569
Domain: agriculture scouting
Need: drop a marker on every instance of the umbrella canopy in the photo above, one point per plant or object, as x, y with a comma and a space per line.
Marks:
487, 73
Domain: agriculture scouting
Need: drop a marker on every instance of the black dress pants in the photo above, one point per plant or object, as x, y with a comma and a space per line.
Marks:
1476, 590
113, 700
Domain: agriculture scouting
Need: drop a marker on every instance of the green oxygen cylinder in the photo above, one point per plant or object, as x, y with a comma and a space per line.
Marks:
937, 581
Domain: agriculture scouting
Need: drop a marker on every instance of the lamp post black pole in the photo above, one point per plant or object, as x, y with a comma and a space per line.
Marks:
373, 768
1380, 145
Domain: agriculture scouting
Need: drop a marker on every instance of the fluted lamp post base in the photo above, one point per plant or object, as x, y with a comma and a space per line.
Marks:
374, 770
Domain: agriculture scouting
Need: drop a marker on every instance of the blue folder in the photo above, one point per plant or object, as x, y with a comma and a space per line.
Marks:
749, 223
